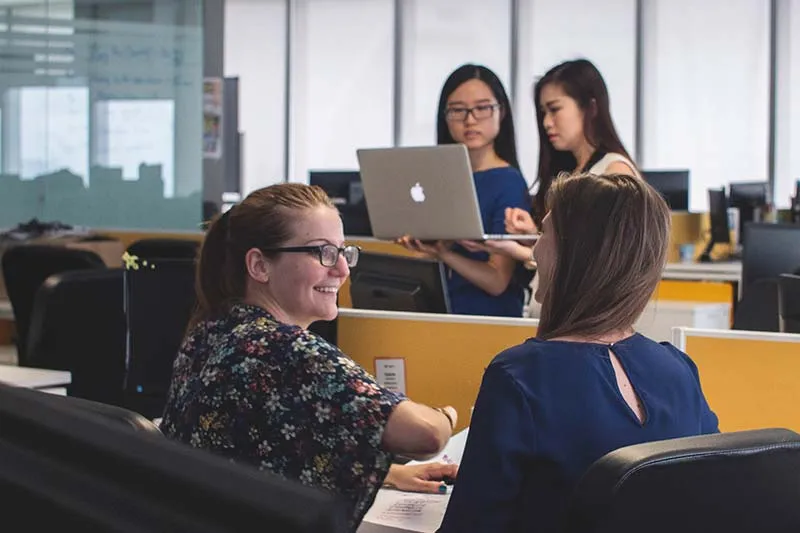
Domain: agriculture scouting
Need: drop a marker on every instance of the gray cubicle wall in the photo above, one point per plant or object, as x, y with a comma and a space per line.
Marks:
101, 115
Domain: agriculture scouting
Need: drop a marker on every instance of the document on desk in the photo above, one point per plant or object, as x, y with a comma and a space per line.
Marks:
407, 511
452, 452
395, 511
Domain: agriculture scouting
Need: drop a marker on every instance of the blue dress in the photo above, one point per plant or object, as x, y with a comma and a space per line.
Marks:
497, 189
547, 410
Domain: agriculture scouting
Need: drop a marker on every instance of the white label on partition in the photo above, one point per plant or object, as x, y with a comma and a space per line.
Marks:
391, 374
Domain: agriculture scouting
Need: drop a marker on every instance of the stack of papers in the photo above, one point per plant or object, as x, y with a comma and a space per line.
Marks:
402, 512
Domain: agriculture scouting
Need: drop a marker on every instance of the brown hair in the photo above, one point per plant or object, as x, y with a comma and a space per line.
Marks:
262, 220
612, 234
582, 82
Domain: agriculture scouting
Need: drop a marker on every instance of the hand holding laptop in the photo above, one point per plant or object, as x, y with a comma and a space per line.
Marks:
514, 249
433, 249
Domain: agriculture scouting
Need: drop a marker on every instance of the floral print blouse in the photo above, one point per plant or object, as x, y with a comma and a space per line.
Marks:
279, 397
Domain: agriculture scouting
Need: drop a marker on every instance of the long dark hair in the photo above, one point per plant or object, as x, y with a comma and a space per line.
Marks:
612, 234
264, 219
582, 82
505, 145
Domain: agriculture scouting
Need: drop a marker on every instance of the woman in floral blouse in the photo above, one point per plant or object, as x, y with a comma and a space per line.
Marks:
251, 382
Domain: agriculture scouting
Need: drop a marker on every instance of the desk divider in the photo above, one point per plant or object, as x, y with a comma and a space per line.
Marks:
751, 379
444, 356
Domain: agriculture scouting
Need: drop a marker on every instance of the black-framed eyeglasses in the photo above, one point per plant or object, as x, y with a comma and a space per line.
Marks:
479, 112
328, 254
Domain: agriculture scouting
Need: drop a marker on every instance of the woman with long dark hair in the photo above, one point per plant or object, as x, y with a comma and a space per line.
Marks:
474, 110
576, 134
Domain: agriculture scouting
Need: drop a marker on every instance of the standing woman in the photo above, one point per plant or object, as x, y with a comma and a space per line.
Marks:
474, 110
576, 135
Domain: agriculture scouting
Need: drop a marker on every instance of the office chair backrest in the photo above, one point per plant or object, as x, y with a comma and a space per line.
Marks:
733, 482
116, 415
165, 248
789, 303
78, 324
25, 267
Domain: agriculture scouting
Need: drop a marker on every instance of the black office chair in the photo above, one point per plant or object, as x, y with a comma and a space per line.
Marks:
110, 413
758, 309
789, 303
78, 324
25, 267
153, 249
733, 482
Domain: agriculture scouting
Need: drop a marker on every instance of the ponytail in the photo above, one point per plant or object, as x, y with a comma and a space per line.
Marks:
263, 220
216, 285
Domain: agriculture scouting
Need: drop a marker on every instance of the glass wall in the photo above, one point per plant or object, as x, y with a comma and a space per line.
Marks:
101, 113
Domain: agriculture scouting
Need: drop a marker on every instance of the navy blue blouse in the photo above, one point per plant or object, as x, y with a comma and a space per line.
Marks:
547, 410
496, 189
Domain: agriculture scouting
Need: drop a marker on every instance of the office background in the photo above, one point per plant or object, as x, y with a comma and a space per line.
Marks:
102, 108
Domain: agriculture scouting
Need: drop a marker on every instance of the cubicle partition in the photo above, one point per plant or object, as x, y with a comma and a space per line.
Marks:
751, 379
439, 359
435, 359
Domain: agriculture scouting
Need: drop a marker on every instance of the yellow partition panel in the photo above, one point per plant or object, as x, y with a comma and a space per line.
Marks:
444, 355
751, 380
695, 291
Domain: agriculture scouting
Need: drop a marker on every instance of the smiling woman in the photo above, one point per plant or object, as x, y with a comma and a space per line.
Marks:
251, 383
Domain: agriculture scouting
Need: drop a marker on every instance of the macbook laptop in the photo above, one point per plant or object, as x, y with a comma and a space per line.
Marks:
426, 192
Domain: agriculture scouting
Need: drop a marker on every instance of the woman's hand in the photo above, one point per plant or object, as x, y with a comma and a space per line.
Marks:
427, 477
519, 221
515, 250
433, 250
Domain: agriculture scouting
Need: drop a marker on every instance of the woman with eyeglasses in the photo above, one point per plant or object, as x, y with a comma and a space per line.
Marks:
474, 110
253, 384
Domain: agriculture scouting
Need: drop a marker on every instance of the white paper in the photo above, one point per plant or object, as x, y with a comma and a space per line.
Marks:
391, 374
453, 451
407, 511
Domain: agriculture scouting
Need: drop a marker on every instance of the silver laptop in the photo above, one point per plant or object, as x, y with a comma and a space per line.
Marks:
426, 192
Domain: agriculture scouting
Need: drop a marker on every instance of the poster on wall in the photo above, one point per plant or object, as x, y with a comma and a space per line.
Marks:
212, 118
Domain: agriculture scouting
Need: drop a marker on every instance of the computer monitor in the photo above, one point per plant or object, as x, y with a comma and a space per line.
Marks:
159, 301
62, 465
673, 186
747, 197
789, 302
769, 251
395, 283
718, 215
346, 191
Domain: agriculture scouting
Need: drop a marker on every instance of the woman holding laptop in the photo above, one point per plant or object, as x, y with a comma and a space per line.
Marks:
474, 110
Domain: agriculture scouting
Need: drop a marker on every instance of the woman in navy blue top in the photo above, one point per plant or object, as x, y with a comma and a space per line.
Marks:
474, 110
587, 384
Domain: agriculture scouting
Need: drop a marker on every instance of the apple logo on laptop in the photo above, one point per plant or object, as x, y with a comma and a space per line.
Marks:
418, 193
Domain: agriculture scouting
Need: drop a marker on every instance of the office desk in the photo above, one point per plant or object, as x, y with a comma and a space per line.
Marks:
722, 271
395, 511
52, 381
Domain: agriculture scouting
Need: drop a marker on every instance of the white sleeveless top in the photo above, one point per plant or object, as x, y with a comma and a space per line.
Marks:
533, 308
601, 166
